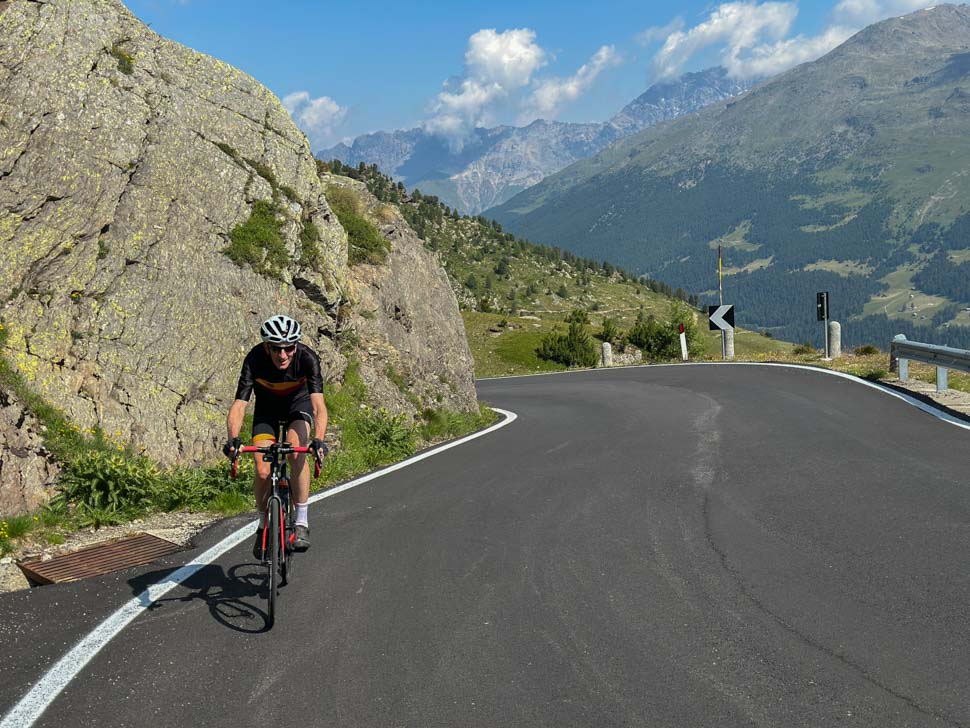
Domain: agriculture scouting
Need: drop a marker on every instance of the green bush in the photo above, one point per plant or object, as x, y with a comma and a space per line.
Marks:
366, 243
259, 242
574, 348
804, 348
867, 350
198, 488
657, 341
385, 437
112, 483
610, 332
661, 341
577, 316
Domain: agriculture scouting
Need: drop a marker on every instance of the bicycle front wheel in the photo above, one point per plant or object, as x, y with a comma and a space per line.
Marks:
289, 514
275, 554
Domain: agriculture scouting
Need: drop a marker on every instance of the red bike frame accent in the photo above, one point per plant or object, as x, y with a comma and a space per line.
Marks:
287, 450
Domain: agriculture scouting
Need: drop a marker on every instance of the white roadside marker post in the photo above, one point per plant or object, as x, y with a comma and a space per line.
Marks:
683, 342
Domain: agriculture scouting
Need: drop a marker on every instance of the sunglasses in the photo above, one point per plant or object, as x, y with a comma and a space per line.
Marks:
283, 349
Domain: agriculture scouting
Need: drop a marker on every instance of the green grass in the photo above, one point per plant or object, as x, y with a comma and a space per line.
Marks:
366, 244
126, 62
512, 351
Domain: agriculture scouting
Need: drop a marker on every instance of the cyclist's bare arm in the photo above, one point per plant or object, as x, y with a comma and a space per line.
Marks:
234, 422
319, 415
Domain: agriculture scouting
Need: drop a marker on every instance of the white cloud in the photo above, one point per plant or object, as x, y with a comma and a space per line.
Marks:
551, 94
507, 59
496, 66
318, 117
769, 60
659, 32
735, 27
752, 40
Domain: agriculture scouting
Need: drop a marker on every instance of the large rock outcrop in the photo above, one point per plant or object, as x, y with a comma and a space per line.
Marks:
126, 163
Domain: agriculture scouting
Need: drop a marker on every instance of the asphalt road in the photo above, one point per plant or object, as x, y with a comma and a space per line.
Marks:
664, 546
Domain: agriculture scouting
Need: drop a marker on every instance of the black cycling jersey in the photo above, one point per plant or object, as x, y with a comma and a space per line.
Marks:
300, 379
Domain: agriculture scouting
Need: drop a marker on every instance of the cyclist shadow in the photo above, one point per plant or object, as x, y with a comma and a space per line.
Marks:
232, 596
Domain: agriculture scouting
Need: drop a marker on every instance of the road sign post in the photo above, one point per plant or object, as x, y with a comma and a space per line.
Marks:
822, 314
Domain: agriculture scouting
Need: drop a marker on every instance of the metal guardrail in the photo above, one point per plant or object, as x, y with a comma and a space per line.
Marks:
943, 357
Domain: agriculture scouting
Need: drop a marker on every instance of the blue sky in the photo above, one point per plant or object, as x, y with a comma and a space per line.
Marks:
350, 68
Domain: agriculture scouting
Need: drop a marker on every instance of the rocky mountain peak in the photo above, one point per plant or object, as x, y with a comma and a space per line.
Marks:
941, 26
669, 99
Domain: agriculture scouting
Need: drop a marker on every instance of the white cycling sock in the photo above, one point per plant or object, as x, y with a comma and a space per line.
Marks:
301, 514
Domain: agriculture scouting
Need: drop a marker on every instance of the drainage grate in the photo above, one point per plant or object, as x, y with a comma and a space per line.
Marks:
103, 558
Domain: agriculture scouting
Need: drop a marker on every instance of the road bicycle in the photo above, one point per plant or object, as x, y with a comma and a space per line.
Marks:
279, 534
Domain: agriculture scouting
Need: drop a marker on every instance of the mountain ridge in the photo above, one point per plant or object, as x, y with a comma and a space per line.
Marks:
496, 163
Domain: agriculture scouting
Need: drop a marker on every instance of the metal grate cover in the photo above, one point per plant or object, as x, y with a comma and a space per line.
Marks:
104, 558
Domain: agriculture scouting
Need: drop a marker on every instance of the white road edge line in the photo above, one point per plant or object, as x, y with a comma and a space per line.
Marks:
43, 693
918, 404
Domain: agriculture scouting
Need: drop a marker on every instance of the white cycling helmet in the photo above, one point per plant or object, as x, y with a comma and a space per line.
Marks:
280, 330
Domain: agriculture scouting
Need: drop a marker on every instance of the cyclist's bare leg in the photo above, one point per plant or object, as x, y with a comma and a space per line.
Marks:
298, 435
261, 483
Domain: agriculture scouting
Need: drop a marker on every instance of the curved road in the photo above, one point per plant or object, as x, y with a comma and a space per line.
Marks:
663, 546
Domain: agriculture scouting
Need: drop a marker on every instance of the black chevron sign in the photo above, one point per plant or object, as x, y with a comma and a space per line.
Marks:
721, 317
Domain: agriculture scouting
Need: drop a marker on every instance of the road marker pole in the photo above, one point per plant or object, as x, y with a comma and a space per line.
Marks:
683, 342
720, 301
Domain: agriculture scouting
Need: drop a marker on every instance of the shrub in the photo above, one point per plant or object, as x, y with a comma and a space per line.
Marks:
575, 348
804, 348
610, 332
259, 243
110, 484
867, 350
657, 341
577, 316
367, 245
387, 437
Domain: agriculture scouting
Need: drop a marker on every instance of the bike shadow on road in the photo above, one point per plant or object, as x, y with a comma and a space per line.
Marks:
235, 597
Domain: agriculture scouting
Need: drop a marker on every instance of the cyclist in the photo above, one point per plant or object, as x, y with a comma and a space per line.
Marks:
285, 375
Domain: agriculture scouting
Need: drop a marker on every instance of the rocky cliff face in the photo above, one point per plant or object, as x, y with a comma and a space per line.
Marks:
126, 164
496, 164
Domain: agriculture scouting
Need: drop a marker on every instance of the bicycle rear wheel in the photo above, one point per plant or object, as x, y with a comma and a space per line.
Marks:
275, 554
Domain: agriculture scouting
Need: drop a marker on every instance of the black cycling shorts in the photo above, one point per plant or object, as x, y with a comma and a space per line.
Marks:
266, 419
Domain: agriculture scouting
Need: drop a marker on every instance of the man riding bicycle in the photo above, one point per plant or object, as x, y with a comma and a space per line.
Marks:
286, 378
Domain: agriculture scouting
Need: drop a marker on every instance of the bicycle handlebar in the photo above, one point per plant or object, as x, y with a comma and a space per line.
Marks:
281, 449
